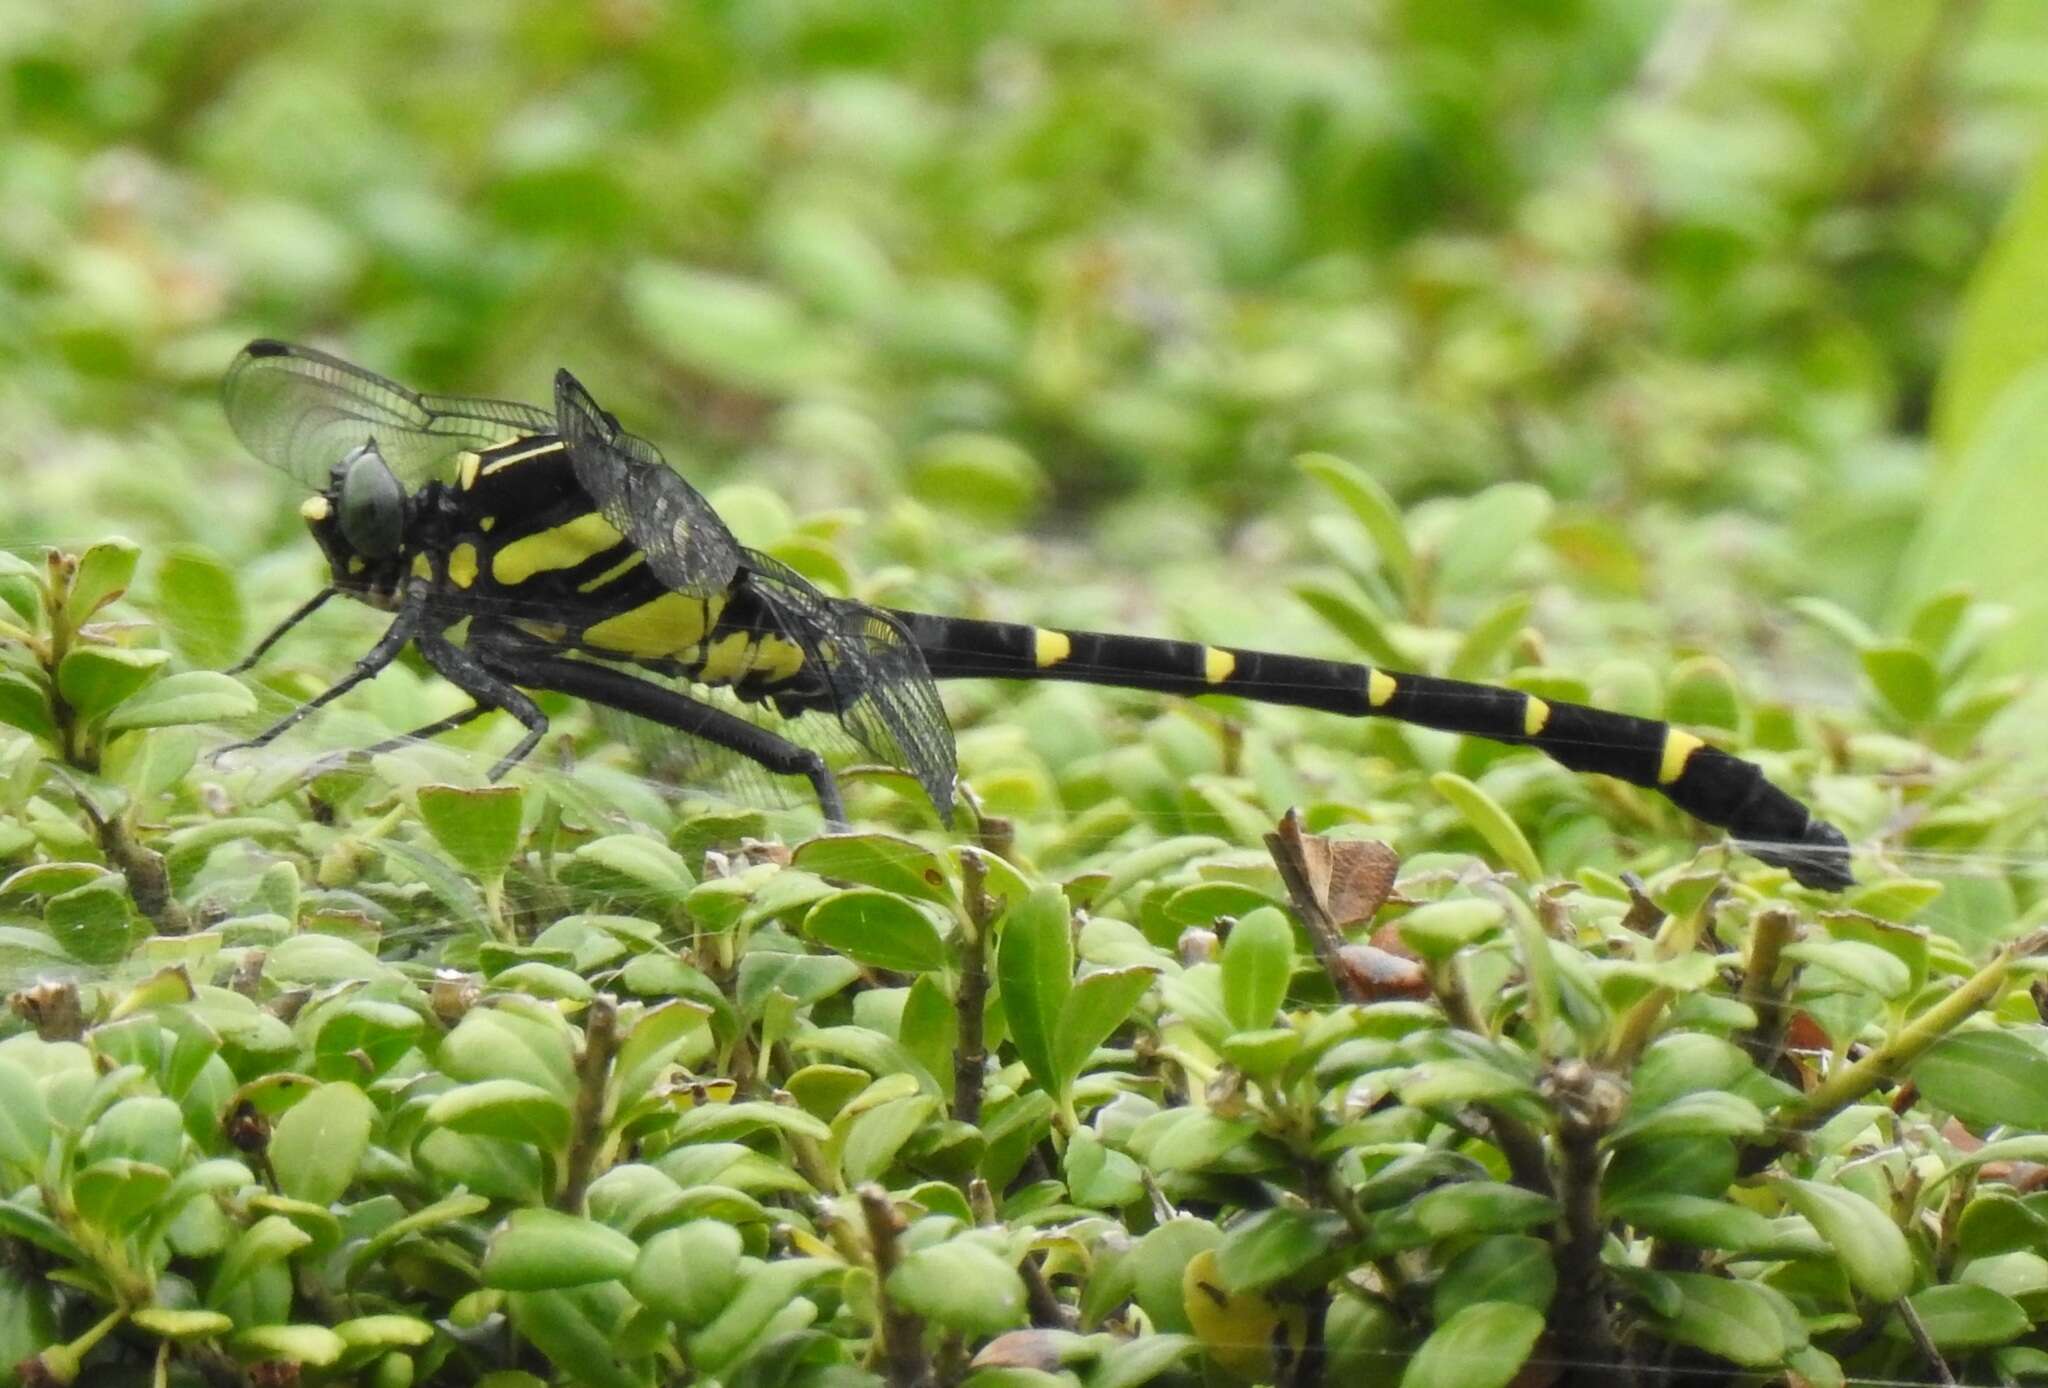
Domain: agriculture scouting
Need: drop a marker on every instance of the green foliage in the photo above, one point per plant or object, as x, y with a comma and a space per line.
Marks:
1603, 350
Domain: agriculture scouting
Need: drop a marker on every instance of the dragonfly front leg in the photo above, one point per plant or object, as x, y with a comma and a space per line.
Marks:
404, 628
305, 610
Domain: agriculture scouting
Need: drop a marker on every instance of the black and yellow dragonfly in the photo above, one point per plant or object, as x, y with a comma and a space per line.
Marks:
579, 559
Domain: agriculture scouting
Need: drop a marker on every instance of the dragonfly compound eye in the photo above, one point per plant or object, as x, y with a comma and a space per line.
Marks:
372, 504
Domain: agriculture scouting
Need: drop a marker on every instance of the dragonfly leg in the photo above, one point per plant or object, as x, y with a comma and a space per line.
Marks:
470, 671
335, 760
305, 610
601, 684
402, 629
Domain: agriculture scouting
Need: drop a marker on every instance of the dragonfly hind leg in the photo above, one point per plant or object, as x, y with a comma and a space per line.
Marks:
600, 684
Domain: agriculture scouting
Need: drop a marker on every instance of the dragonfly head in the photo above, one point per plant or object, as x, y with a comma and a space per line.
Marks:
359, 523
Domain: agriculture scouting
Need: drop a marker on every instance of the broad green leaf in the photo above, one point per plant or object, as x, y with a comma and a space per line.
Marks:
1486, 639
1961, 1316
478, 828
199, 604
95, 923
1442, 928
104, 572
93, 679
506, 1108
1154, 860
688, 1273
1035, 969
1872, 1249
24, 1122
1273, 1245
543, 1250
880, 929
317, 1145
764, 1290
1503, 1267
885, 861
294, 1344
1489, 530
1258, 964
1353, 617
25, 704
190, 696
1694, 1116
1984, 1076
961, 1286
1905, 678
633, 865
496, 1043
578, 1329
1867, 967
1096, 1006
1482, 1346
1724, 1317
1239, 1330
1701, 693
1697, 1220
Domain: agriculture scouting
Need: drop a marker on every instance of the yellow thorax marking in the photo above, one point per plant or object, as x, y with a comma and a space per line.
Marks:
462, 564
1379, 687
666, 626
561, 547
1049, 647
1535, 714
1678, 749
726, 658
465, 469
776, 660
1217, 664
500, 463
618, 570
315, 509
422, 567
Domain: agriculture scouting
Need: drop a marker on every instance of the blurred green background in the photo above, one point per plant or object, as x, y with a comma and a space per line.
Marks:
1031, 307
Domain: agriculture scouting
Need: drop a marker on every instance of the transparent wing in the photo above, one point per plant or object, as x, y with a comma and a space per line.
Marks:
687, 545
302, 411
886, 699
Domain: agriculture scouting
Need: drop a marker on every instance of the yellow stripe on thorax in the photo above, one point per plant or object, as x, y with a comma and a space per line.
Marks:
1050, 647
462, 564
618, 570
1678, 749
560, 547
662, 628
500, 461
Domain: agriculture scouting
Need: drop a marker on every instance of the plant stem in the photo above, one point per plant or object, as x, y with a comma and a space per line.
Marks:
970, 1005
593, 1073
902, 1331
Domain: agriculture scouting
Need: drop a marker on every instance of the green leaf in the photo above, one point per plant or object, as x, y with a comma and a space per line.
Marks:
1373, 508
269, 1240
25, 704
200, 606
1724, 1317
1492, 823
1442, 928
1273, 1245
578, 1328
1693, 1116
1503, 1267
1353, 616
543, 1250
24, 1122
496, 1043
94, 923
1697, 1220
478, 828
1961, 1316
294, 1344
886, 861
1482, 1346
765, 1290
1867, 967
104, 572
1095, 1007
93, 679
962, 1286
1997, 335
1984, 1077
1258, 964
1035, 969
506, 1108
878, 928
1701, 693
634, 865
1872, 1249
317, 1145
190, 696
1489, 530
1905, 678
688, 1273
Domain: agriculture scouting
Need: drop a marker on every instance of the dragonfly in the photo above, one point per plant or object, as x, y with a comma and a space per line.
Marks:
583, 564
